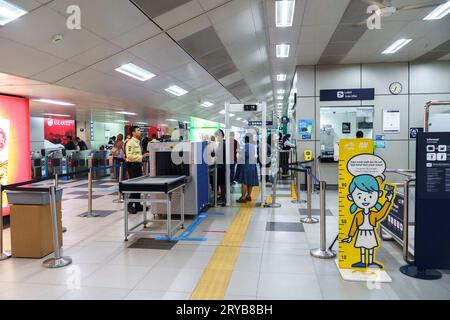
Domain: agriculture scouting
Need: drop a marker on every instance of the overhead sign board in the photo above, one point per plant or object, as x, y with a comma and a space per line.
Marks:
250, 107
258, 123
347, 94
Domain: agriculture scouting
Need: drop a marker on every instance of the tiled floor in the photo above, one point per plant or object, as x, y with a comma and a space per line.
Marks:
274, 260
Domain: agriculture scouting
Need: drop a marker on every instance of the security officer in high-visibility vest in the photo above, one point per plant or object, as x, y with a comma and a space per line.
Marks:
134, 158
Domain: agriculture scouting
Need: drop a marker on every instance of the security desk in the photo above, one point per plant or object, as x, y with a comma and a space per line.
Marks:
148, 187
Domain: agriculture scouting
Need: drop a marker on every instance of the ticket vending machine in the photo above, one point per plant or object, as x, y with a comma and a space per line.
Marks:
182, 158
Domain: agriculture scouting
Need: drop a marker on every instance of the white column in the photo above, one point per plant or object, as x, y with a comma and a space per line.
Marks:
228, 153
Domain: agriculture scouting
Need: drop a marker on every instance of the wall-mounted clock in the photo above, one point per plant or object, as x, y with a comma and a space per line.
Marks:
396, 88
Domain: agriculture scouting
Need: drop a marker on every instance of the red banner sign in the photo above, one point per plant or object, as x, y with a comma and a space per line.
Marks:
56, 130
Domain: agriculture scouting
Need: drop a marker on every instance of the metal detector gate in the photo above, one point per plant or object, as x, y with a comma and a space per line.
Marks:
254, 109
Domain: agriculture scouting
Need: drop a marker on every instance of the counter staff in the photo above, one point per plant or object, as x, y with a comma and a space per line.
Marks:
134, 158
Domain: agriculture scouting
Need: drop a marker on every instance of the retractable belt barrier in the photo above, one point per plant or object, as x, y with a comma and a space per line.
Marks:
322, 252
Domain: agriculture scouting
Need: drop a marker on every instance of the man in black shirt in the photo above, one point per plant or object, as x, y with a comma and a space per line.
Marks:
81, 144
70, 145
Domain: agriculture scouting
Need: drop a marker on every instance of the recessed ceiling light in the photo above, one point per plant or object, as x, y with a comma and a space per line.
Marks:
9, 12
56, 102
239, 119
440, 12
176, 90
162, 125
126, 113
135, 72
207, 104
172, 120
396, 46
280, 98
281, 77
284, 13
281, 91
231, 115
56, 115
283, 50
123, 121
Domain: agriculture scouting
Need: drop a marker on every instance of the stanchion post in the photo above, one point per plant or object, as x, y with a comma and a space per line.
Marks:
274, 203
309, 219
406, 188
3, 255
58, 261
323, 252
298, 185
120, 200
215, 185
90, 213
90, 191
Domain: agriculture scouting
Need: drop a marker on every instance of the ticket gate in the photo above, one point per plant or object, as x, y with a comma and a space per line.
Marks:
58, 163
101, 159
39, 165
78, 161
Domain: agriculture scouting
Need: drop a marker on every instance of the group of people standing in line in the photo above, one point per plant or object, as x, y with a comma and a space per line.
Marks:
243, 167
244, 162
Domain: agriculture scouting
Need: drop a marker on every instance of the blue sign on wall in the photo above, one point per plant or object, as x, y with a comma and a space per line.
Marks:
347, 94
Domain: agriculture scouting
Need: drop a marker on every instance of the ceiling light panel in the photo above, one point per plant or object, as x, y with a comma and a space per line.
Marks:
9, 12
176, 90
55, 102
135, 72
440, 12
127, 113
284, 13
56, 115
207, 104
396, 46
282, 50
281, 77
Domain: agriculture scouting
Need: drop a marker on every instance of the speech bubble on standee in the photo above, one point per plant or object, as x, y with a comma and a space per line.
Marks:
367, 164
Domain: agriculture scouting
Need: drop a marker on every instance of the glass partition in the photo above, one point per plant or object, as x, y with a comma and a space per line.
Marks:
343, 122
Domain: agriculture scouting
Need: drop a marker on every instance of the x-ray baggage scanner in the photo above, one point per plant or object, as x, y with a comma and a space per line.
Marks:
181, 159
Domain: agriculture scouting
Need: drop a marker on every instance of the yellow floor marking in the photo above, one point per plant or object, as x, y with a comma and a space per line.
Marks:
215, 279
294, 192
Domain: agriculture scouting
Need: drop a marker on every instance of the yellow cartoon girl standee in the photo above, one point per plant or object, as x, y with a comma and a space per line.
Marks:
366, 194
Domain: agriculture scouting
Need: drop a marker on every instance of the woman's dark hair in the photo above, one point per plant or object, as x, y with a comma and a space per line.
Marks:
220, 131
248, 138
286, 137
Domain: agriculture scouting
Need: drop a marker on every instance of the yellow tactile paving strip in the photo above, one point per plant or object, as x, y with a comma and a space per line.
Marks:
215, 279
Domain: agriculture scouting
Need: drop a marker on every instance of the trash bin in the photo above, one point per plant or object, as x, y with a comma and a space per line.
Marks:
31, 223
